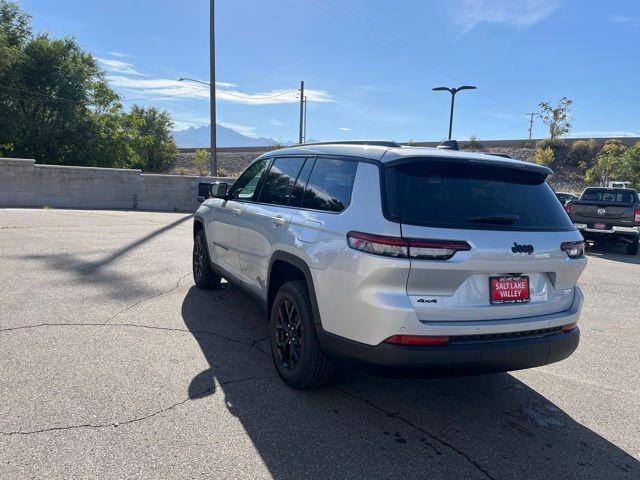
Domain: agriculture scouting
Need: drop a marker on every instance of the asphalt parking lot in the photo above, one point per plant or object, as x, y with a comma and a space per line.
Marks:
113, 365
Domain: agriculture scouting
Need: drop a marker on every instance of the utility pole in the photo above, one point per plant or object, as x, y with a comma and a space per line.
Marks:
304, 123
531, 122
212, 87
301, 110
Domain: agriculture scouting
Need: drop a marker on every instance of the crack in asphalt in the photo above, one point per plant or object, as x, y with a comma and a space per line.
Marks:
251, 344
203, 392
416, 427
135, 304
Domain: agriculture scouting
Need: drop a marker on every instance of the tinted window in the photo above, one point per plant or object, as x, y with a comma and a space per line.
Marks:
280, 180
330, 184
606, 195
297, 193
245, 186
460, 195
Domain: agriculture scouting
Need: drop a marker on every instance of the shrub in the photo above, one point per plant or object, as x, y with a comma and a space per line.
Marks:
544, 156
474, 144
200, 160
582, 154
631, 165
559, 147
609, 164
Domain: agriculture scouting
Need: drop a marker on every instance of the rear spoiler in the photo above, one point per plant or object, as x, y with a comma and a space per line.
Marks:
490, 161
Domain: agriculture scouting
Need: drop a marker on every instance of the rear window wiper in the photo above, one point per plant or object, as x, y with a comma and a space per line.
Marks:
495, 219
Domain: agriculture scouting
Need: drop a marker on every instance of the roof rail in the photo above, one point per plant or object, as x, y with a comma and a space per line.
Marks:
504, 155
375, 143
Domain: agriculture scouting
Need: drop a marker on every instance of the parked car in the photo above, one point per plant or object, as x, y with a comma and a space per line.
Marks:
566, 197
608, 215
398, 257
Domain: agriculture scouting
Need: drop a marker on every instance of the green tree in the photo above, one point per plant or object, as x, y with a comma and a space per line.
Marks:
631, 166
543, 156
609, 164
152, 140
200, 160
556, 117
57, 106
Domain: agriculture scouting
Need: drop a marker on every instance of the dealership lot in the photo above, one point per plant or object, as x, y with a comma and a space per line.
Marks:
112, 364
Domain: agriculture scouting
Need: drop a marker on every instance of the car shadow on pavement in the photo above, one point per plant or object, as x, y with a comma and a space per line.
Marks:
615, 252
96, 272
361, 426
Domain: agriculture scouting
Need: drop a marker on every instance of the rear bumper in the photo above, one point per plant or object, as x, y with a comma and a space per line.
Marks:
458, 356
613, 231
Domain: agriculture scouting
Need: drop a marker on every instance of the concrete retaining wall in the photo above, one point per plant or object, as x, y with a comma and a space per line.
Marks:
23, 183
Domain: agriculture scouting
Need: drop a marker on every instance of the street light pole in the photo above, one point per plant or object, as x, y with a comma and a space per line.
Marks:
212, 88
453, 92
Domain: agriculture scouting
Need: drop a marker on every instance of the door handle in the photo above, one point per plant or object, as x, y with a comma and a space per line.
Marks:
236, 211
277, 220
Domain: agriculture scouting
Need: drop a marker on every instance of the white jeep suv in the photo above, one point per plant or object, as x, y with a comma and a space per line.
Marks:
399, 257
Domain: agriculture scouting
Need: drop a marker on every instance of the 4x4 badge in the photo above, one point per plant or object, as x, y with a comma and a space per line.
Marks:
517, 248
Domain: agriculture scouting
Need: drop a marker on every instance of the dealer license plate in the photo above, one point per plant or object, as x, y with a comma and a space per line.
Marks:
509, 289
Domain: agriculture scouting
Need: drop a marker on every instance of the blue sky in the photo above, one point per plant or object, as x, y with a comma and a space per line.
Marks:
368, 65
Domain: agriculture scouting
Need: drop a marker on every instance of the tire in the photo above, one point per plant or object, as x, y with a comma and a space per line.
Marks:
632, 248
203, 275
295, 348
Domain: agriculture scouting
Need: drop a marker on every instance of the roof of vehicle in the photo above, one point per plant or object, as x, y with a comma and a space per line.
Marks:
389, 153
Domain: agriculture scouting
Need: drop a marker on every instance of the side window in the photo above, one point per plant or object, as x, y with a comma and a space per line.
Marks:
280, 180
330, 184
245, 186
297, 193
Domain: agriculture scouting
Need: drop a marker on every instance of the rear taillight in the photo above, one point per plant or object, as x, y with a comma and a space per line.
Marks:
417, 340
424, 249
636, 215
569, 327
567, 207
573, 249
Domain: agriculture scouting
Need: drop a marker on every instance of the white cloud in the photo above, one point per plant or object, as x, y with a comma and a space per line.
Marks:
119, 54
624, 19
275, 123
245, 130
118, 66
522, 13
604, 133
164, 87
345, 129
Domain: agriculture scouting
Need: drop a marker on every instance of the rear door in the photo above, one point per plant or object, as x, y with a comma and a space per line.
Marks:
504, 228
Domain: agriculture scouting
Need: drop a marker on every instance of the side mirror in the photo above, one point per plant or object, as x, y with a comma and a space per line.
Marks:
219, 190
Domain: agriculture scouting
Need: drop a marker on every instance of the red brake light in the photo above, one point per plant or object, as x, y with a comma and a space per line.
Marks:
429, 249
417, 340
567, 207
378, 244
568, 328
636, 215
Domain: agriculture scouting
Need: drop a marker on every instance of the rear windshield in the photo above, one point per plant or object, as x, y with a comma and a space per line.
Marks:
460, 195
608, 195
